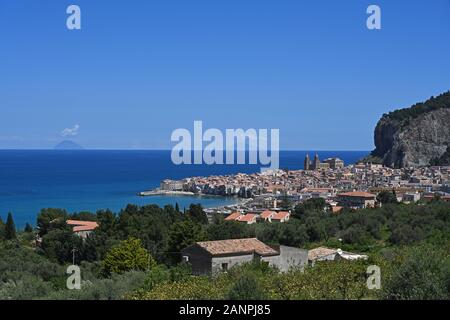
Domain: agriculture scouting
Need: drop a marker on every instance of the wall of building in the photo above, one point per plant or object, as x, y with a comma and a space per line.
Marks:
198, 258
288, 258
203, 263
217, 262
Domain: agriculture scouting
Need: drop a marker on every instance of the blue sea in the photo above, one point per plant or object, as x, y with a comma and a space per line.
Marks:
88, 180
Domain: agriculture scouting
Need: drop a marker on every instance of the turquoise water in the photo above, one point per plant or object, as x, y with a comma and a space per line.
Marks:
91, 180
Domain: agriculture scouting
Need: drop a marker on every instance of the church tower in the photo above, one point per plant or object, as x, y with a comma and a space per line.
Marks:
307, 163
316, 162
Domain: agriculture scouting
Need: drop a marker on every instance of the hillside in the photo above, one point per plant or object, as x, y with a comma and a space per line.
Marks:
415, 136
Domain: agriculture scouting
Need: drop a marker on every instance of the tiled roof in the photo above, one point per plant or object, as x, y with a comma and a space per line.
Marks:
336, 209
320, 252
84, 228
266, 214
233, 216
237, 246
82, 225
359, 194
280, 215
247, 218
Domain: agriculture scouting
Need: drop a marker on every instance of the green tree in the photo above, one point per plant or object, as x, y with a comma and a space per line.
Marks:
28, 228
285, 203
181, 235
2, 229
57, 245
386, 197
50, 219
10, 228
423, 273
246, 287
310, 205
197, 214
127, 256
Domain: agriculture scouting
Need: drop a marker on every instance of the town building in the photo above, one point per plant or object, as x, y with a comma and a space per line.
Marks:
212, 257
249, 218
82, 228
281, 216
307, 162
171, 185
267, 215
335, 163
356, 200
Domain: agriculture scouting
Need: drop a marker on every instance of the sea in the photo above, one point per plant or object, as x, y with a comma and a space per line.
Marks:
89, 180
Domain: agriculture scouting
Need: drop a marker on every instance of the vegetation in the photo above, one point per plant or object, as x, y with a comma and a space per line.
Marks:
385, 197
434, 103
129, 255
135, 254
10, 228
443, 160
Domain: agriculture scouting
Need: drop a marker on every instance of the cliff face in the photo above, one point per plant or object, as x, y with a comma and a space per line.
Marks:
417, 136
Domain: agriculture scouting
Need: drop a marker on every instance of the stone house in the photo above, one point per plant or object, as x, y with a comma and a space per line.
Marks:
212, 257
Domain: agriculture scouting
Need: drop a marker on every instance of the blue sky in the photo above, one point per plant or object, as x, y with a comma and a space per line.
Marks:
140, 69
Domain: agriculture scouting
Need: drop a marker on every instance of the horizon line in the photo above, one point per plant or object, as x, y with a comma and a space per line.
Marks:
132, 149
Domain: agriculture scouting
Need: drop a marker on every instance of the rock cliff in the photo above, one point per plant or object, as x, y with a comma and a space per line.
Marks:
416, 136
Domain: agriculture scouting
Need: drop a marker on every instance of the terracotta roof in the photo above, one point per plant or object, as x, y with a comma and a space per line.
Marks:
266, 214
237, 246
336, 209
247, 218
84, 228
82, 225
233, 216
280, 215
359, 194
320, 252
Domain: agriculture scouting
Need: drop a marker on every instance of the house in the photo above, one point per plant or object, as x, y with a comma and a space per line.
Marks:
431, 197
357, 200
249, 218
328, 254
411, 197
267, 215
82, 228
232, 217
336, 209
281, 216
212, 257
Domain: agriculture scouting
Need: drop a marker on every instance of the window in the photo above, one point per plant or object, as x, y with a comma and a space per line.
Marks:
225, 266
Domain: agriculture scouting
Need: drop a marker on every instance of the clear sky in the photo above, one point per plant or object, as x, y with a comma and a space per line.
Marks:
140, 69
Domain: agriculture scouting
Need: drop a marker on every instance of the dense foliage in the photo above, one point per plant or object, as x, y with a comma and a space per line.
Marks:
135, 254
434, 103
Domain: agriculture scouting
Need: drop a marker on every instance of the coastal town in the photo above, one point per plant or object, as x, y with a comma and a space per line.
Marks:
261, 195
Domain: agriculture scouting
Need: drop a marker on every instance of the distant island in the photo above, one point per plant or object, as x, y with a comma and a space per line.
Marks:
68, 145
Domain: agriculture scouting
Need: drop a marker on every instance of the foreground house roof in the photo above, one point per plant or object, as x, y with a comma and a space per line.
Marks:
317, 253
237, 246
322, 252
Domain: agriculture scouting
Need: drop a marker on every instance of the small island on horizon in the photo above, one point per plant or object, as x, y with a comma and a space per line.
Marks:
68, 145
